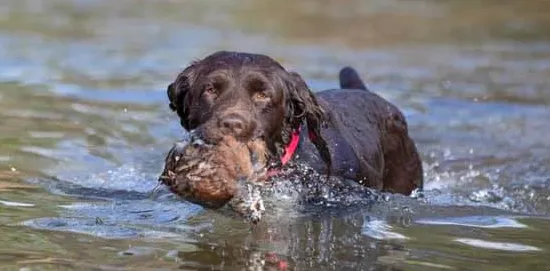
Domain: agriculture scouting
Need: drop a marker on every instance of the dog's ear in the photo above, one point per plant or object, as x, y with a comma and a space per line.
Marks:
172, 93
301, 105
178, 95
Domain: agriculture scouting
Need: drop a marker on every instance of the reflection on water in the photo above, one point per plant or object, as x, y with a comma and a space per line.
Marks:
84, 127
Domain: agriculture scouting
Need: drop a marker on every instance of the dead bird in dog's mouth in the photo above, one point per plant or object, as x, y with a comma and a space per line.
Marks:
227, 173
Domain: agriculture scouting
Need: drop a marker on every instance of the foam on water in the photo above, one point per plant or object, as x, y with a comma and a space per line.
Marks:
497, 245
491, 222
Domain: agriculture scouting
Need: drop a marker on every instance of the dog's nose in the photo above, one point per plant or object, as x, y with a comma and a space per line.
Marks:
235, 124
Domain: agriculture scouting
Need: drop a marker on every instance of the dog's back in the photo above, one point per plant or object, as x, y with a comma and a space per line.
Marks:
368, 137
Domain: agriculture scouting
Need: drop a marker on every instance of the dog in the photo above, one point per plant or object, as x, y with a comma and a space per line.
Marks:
349, 132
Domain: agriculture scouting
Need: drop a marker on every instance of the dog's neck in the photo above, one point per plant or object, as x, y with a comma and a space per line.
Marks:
290, 149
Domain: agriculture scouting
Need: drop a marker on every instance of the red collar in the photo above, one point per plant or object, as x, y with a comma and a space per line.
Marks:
290, 149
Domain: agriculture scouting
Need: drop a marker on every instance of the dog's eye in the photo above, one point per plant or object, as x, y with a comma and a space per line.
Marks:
209, 89
260, 96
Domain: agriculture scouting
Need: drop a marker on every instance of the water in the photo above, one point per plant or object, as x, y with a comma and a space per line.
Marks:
85, 125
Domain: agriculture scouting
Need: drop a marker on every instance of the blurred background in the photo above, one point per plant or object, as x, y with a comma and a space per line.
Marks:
85, 125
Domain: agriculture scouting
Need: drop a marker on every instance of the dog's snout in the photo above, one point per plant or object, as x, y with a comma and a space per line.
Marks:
234, 123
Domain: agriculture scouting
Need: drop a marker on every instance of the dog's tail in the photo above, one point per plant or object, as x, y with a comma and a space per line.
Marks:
349, 79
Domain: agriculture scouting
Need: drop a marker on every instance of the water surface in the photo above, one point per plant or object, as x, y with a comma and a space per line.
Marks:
85, 125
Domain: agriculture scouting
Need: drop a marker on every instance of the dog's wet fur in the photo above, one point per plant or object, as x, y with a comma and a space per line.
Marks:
232, 101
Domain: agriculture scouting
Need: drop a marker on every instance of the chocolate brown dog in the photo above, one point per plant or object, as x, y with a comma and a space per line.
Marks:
349, 132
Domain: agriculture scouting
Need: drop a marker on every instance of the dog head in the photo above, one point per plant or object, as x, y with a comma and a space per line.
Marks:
246, 96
